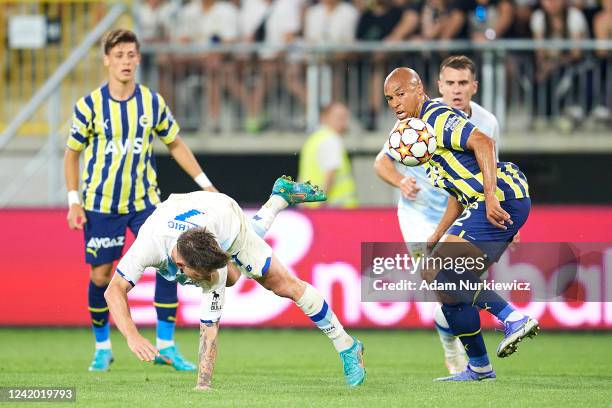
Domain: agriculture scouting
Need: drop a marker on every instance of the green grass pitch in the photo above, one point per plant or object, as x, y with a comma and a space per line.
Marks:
285, 368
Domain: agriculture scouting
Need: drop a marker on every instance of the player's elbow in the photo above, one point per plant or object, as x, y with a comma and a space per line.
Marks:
379, 164
111, 292
108, 293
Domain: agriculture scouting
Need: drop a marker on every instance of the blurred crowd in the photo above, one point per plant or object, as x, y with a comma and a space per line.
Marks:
274, 23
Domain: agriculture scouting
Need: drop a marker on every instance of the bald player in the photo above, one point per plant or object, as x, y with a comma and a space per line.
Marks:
421, 205
488, 203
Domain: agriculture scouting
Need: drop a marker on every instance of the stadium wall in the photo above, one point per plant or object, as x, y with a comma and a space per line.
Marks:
553, 178
44, 277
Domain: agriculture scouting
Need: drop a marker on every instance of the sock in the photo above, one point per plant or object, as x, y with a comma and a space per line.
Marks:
166, 303
315, 307
447, 338
485, 299
464, 321
162, 344
262, 221
508, 314
98, 309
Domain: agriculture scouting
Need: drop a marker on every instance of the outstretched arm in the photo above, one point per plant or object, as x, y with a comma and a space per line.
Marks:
185, 158
385, 169
116, 298
207, 355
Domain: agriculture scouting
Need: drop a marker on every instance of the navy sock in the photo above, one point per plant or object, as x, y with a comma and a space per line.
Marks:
166, 303
464, 321
98, 309
469, 290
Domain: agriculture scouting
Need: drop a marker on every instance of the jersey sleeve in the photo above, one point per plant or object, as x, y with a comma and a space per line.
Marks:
167, 129
211, 307
81, 126
452, 130
141, 255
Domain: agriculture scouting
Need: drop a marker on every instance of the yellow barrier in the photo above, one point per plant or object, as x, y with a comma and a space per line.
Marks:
23, 71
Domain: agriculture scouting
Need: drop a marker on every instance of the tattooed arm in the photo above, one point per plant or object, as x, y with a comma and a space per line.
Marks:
207, 355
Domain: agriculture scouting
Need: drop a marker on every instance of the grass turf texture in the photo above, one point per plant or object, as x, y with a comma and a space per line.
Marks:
300, 368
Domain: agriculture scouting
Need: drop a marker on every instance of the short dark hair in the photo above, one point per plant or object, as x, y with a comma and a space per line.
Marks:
115, 37
200, 250
459, 62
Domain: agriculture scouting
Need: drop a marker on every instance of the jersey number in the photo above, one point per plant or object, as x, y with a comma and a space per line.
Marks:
466, 214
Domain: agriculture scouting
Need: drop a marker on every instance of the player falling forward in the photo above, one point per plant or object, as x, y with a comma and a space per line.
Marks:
493, 201
421, 205
190, 238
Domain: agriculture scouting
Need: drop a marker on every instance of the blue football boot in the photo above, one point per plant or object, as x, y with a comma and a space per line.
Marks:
102, 360
514, 332
469, 375
352, 362
171, 356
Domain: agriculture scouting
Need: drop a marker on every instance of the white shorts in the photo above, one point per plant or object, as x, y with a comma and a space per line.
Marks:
416, 228
249, 252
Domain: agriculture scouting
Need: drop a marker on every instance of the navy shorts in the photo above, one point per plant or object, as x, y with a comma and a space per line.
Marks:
105, 234
474, 226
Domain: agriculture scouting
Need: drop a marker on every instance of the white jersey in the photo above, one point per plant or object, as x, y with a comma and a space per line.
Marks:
486, 122
179, 213
431, 201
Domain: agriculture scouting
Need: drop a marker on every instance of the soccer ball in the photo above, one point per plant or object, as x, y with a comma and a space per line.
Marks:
412, 142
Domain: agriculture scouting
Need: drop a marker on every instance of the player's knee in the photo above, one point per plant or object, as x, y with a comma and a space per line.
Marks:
289, 287
233, 275
100, 275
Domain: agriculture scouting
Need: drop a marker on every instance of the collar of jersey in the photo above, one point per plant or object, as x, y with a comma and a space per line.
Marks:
106, 93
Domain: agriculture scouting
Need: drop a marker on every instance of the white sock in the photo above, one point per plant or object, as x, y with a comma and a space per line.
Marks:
315, 307
448, 340
162, 344
103, 345
513, 317
262, 221
482, 370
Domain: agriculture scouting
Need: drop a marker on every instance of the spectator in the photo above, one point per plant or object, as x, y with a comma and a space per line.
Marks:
332, 22
602, 27
275, 24
203, 23
555, 20
324, 160
521, 21
155, 20
489, 19
435, 16
445, 19
378, 23
409, 23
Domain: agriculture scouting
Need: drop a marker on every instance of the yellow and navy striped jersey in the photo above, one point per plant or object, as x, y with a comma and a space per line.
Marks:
119, 174
454, 168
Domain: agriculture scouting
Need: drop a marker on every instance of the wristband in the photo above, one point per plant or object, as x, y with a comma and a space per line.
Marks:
202, 180
73, 198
